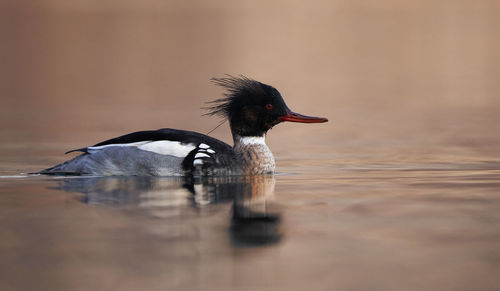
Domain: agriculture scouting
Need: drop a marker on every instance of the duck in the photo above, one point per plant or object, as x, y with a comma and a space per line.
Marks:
252, 108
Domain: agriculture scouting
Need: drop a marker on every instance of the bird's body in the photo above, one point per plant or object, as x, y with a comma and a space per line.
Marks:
170, 152
251, 107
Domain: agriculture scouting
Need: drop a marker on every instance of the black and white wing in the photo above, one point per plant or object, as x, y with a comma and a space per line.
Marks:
163, 152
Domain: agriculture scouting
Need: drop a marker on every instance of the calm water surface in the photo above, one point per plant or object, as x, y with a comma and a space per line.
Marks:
318, 224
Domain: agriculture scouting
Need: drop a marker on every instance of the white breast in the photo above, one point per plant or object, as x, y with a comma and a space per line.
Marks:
255, 156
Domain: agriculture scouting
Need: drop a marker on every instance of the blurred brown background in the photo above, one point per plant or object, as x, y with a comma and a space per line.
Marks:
405, 77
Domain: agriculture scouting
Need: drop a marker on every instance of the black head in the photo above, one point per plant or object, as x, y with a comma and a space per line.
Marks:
252, 107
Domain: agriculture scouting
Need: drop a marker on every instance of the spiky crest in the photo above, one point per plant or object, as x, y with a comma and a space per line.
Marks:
236, 87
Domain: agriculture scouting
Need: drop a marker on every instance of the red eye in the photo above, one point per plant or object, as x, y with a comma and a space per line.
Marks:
269, 106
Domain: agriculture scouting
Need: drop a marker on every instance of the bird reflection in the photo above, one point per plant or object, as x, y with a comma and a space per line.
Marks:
254, 221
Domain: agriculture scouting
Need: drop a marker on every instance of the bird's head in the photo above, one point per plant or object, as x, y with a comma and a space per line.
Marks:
252, 107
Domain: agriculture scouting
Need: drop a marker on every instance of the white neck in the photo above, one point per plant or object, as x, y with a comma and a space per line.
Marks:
250, 140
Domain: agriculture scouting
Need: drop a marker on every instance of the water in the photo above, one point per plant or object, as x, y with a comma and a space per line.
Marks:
317, 224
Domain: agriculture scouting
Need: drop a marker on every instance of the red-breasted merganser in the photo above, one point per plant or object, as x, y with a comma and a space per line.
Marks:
251, 107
